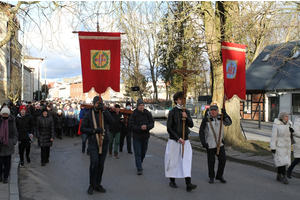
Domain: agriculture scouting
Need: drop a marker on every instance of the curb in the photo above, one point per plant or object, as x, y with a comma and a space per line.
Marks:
14, 176
258, 164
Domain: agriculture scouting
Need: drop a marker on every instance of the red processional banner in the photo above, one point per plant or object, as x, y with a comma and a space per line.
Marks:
234, 69
100, 60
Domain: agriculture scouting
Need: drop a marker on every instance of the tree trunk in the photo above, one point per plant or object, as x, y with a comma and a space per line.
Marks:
233, 133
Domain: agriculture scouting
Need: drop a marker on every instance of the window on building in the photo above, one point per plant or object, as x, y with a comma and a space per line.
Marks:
247, 104
296, 103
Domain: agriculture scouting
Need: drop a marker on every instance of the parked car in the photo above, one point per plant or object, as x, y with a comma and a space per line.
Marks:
191, 108
157, 111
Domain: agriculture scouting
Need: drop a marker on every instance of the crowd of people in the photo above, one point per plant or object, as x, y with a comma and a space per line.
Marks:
106, 128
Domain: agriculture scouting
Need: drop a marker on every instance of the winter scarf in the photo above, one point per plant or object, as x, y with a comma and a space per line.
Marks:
4, 132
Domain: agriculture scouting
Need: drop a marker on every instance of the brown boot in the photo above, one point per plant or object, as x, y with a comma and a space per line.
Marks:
110, 153
116, 156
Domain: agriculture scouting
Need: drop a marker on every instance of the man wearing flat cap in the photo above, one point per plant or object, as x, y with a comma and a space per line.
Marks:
90, 126
209, 137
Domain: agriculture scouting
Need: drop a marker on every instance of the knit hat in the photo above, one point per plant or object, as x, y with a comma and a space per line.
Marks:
23, 107
5, 110
96, 99
44, 109
282, 114
213, 107
139, 102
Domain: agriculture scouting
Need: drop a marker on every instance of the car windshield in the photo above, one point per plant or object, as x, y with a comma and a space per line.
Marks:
158, 107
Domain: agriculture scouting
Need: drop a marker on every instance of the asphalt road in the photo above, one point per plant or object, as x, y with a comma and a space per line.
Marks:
66, 177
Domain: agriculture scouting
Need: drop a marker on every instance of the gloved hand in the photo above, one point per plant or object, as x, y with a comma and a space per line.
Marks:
223, 111
100, 106
273, 151
98, 130
291, 130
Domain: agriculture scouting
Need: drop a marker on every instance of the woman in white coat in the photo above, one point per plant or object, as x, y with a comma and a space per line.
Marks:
296, 146
280, 145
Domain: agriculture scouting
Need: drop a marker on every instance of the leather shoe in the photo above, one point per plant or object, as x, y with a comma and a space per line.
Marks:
43, 164
190, 187
91, 189
221, 179
99, 188
140, 172
0, 178
173, 185
211, 180
5, 180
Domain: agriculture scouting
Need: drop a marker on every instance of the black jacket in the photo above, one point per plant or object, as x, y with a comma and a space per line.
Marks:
87, 126
36, 114
116, 126
174, 124
59, 121
25, 125
45, 130
136, 120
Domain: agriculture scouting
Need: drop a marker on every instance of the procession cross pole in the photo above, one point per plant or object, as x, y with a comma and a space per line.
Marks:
184, 73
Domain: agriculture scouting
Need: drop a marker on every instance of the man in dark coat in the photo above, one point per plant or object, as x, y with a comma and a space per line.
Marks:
114, 131
88, 127
59, 123
25, 125
140, 123
125, 131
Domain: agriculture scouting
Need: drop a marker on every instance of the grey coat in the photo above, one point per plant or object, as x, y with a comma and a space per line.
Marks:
13, 137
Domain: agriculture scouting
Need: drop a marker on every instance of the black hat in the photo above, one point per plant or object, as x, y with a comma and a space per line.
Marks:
213, 107
44, 109
127, 103
139, 102
96, 99
117, 106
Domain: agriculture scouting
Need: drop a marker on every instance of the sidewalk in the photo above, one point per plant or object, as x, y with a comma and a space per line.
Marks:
10, 191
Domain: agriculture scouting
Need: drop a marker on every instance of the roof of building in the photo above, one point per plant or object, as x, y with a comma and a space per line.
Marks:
277, 72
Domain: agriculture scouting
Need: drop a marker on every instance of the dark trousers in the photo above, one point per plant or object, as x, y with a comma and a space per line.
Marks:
84, 139
126, 134
211, 161
58, 132
45, 154
294, 163
140, 148
281, 170
5, 162
97, 163
70, 130
187, 180
24, 145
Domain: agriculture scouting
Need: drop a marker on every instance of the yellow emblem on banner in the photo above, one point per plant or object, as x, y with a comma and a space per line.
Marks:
100, 59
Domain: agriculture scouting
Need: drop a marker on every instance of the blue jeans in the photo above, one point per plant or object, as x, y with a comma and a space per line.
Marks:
140, 148
84, 139
97, 163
